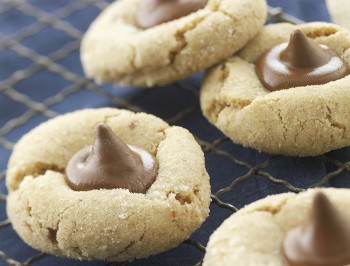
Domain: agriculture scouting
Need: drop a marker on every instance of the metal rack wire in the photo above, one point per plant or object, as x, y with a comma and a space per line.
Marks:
77, 82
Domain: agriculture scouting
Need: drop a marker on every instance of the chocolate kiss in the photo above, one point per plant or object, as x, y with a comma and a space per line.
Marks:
324, 240
298, 63
303, 52
154, 12
110, 163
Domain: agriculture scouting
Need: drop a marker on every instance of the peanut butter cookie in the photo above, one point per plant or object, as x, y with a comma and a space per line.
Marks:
154, 42
292, 118
306, 229
140, 189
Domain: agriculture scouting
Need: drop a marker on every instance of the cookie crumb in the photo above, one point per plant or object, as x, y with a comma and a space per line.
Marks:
132, 125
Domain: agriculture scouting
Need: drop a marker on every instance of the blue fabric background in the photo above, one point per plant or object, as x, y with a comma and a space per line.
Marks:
164, 102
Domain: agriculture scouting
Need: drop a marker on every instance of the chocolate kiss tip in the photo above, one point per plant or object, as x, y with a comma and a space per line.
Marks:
109, 147
303, 52
102, 132
323, 210
322, 207
321, 199
298, 34
324, 214
101, 126
102, 129
298, 38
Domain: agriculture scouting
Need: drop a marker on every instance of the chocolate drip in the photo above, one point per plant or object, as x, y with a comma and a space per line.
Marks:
154, 12
300, 62
110, 163
324, 240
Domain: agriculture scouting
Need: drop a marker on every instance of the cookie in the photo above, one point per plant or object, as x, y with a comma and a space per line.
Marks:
54, 216
339, 11
262, 233
116, 49
301, 121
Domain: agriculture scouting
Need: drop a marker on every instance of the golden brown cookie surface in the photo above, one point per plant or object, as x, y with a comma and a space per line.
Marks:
111, 224
302, 121
115, 50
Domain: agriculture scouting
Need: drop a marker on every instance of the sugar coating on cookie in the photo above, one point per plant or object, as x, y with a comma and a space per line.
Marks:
299, 121
109, 224
255, 234
115, 49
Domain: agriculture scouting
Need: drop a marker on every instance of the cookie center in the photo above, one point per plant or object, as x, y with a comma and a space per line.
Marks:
110, 163
300, 62
154, 12
323, 240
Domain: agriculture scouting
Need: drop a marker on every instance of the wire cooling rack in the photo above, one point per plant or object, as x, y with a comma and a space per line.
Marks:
249, 179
